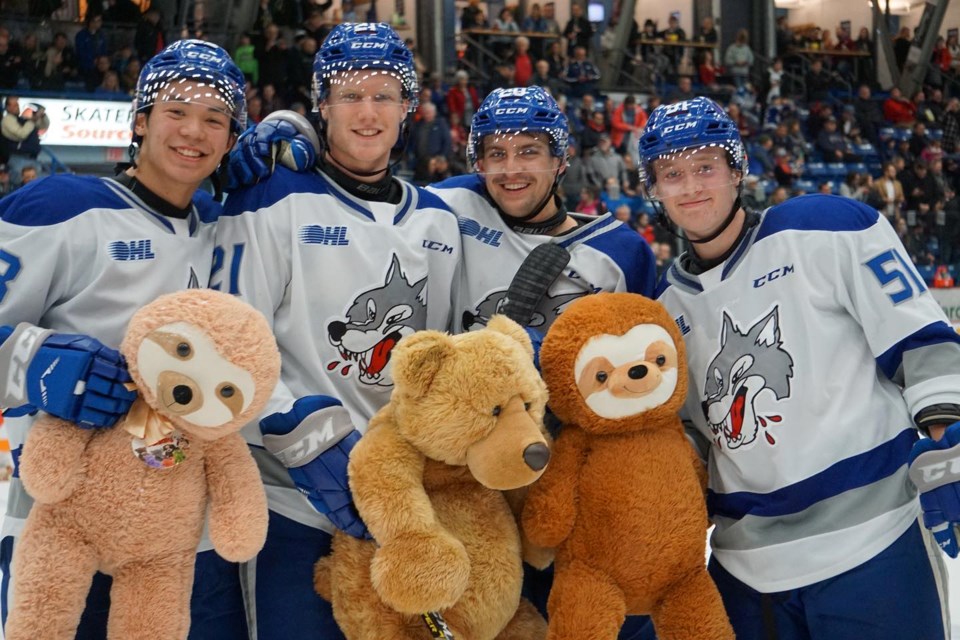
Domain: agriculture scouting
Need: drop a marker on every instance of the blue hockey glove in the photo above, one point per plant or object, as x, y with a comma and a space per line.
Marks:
73, 377
283, 136
536, 339
313, 441
935, 470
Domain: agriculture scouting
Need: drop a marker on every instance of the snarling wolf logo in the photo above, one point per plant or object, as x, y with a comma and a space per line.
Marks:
550, 309
375, 322
747, 364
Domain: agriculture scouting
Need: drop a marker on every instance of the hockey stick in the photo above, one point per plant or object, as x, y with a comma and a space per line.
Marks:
532, 280
437, 626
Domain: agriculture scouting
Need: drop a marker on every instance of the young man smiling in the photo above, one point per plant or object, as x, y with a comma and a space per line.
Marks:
81, 254
344, 260
815, 354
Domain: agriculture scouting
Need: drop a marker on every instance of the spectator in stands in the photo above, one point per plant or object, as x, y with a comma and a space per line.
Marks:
706, 34
505, 23
110, 86
708, 72
149, 39
612, 196
5, 185
60, 66
348, 12
245, 57
94, 78
604, 163
121, 12
832, 144
785, 170
753, 195
129, 76
940, 60
868, 113
90, 43
919, 139
762, 154
541, 78
535, 23
901, 46
522, 62
889, 191
576, 177
818, 82
271, 101
275, 58
743, 123
739, 59
625, 215
625, 124
21, 134
550, 17
581, 74
589, 202
429, 137
462, 98
10, 63
925, 112
28, 174
595, 126
898, 110
664, 257
458, 145
284, 13
683, 90
300, 83
778, 196
468, 17
579, 31
556, 59
645, 227
502, 77
674, 33
254, 108
920, 190
951, 126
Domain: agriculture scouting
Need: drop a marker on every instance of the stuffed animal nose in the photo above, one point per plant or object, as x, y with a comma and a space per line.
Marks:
536, 456
182, 394
637, 372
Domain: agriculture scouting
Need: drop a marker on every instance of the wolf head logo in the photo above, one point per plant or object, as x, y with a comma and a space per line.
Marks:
374, 324
549, 310
746, 364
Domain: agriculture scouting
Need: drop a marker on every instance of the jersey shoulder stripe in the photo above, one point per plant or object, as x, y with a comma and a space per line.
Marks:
266, 193
817, 212
469, 181
430, 200
938, 332
56, 199
631, 253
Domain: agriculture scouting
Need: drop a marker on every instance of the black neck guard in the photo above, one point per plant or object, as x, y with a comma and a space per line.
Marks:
695, 265
386, 189
152, 200
520, 225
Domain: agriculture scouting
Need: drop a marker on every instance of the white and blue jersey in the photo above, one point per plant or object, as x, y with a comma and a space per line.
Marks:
810, 351
341, 280
605, 255
80, 255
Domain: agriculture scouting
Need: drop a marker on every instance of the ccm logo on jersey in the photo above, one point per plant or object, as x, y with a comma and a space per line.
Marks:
20, 358
780, 272
436, 245
131, 250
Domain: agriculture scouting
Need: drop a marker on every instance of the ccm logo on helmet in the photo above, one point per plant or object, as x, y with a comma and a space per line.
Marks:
679, 127
506, 111
368, 45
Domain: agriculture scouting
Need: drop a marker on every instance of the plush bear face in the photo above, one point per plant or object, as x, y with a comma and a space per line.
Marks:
203, 359
615, 363
474, 399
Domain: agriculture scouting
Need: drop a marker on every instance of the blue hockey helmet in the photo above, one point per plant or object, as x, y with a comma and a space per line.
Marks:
213, 72
362, 46
519, 110
687, 126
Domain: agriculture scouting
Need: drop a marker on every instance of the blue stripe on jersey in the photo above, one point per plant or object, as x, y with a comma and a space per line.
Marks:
936, 333
851, 473
470, 181
632, 254
208, 208
278, 186
673, 273
56, 199
587, 230
817, 212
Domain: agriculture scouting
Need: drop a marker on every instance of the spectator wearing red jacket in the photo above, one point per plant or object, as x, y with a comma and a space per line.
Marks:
462, 98
628, 118
898, 110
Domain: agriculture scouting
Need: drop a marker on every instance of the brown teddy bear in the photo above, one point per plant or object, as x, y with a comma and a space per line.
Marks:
464, 424
623, 498
130, 501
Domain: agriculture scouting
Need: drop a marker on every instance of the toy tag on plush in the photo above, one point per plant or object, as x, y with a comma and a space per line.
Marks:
155, 440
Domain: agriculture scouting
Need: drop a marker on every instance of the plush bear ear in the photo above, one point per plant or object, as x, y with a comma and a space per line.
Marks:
418, 358
502, 324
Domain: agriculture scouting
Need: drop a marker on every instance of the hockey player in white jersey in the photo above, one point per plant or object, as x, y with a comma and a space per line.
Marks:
79, 255
344, 260
816, 354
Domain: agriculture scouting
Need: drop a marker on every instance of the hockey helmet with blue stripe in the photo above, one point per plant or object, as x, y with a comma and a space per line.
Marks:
365, 46
208, 72
679, 129
519, 110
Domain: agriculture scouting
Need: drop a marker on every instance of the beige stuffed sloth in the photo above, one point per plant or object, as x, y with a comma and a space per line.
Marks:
130, 501
464, 425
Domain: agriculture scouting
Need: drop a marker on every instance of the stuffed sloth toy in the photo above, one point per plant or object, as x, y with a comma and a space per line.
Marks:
622, 500
129, 501
464, 425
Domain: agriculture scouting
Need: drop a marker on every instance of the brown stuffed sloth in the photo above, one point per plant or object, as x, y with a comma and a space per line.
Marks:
464, 425
130, 501
622, 500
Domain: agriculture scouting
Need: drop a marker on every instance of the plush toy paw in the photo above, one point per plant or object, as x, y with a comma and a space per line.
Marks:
418, 572
544, 527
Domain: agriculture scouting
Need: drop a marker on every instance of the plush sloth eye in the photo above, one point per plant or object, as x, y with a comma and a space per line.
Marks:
227, 391
601, 376
497, 410
183, 349
526, 406
661, 360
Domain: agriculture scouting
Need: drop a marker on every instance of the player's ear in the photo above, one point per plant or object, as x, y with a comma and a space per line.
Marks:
324, 111
140, 124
